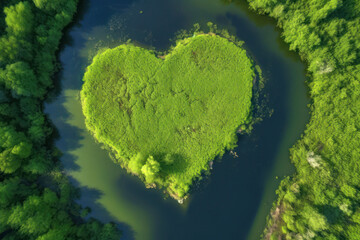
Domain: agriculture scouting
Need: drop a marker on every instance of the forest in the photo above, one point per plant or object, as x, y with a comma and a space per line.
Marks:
36, 199
321, 201
167, 117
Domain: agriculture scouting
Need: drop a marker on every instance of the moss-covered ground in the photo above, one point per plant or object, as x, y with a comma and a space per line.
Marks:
165, 118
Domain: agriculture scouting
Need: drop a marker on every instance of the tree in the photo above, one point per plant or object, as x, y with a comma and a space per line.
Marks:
136, 163
315, 220
19, 19
55, 5
48, 4
321, 12
9, 163
15, 148
14, 49
13, 190
39, 163
20, 78
37, 214
150, 169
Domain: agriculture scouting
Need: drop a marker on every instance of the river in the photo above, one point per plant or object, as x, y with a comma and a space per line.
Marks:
234, 201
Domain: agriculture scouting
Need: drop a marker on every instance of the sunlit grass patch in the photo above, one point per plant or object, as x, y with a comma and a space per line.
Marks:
167, 118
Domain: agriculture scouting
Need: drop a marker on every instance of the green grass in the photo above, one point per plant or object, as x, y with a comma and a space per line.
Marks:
166, 118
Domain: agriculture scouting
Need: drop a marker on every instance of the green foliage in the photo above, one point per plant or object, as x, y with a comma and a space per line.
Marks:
315, 220
48, 4
19, 20
13, 190
54, 5
29, 38
20, 78
136, 163
16, 43
169, 159
36, 214
150, 170
183, 109
325, 33
15, 148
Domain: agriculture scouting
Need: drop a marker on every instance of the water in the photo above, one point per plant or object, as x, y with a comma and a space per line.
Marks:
235, 200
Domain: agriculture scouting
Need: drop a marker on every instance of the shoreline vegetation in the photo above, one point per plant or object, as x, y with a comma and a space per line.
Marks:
321, 200
131, 94
37, 201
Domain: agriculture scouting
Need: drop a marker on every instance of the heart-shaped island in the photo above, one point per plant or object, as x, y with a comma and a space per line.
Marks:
165, 118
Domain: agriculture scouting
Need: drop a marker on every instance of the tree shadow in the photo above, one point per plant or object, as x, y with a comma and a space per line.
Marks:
178, 165
132, 187
66, 41
333, 214
67, 137
259, 20
57, 115
89, 198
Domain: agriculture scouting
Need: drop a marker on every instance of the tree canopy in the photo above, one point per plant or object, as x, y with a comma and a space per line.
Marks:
321, 201
36, 200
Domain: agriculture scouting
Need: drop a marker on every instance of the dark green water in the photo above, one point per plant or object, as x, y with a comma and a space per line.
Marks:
235, 200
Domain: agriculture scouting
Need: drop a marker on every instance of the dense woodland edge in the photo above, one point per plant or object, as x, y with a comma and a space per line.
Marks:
321, 200
36, 198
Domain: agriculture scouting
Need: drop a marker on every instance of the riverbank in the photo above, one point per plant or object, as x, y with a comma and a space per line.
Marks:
37, 200
321, 199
